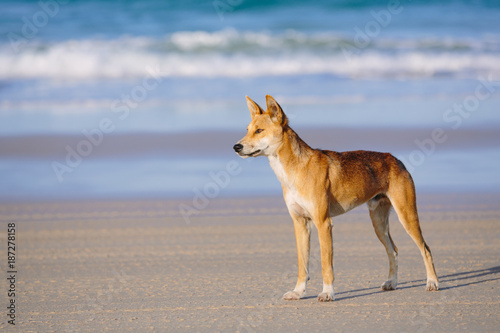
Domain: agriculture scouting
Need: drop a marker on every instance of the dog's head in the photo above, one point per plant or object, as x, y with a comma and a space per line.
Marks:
265, 131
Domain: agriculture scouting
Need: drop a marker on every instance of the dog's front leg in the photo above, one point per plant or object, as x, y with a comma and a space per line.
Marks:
303, 237
326, 244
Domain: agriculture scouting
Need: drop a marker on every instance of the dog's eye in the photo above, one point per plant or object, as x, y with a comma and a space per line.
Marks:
258, 131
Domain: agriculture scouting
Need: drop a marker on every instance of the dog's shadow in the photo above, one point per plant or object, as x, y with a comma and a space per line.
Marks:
447, 282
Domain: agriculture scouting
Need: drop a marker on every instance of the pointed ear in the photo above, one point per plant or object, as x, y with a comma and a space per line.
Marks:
254, 108
275, 111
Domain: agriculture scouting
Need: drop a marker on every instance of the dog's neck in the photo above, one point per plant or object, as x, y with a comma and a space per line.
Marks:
292, 154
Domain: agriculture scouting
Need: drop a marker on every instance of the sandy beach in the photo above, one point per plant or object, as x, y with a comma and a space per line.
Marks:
140, 266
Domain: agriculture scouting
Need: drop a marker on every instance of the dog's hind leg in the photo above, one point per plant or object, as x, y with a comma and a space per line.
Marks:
380, 207
402, 196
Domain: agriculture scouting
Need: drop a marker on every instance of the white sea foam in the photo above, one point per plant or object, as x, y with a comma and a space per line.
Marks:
229, 53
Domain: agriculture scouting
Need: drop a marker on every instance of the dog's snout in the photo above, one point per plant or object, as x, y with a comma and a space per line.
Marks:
238, 147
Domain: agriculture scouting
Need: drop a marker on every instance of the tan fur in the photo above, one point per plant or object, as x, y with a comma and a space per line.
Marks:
320, 184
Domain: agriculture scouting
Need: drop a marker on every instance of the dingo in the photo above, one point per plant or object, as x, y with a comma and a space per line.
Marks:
320, 184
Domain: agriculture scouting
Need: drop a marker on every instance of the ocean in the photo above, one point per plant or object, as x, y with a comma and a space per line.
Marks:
145, 99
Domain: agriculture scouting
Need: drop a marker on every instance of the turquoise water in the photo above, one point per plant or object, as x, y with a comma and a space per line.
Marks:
167, 67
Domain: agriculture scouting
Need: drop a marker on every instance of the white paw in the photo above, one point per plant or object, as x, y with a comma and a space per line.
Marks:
389, 285
325, 297
292, 296
432, 285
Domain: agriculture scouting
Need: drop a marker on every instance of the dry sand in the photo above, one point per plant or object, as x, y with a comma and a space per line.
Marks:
138, 266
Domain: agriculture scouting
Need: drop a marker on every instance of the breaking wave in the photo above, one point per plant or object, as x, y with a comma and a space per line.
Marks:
232, 53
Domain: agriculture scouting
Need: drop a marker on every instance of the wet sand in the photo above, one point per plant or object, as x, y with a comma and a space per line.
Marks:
217, 143
139, 266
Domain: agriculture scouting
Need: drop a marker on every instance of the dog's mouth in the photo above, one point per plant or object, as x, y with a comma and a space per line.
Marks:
257, 152
239, 149
254, 153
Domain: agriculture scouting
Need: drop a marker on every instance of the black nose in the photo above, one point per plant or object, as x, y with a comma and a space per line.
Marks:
238, 147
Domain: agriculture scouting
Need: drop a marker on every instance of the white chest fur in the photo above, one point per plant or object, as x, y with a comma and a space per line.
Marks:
296, 203
278, 169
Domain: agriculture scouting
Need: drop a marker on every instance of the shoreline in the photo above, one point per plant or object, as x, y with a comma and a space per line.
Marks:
219, 143
171, 166
425, 199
